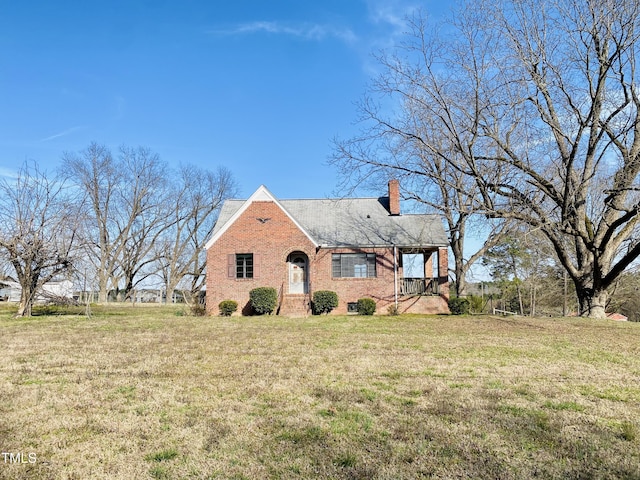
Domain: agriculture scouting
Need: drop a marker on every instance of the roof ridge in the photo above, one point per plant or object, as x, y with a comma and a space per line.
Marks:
313, 199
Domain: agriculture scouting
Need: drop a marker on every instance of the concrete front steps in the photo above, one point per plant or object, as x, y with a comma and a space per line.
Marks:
295, 305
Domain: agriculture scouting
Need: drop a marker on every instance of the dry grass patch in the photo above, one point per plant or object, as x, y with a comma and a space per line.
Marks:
146, 393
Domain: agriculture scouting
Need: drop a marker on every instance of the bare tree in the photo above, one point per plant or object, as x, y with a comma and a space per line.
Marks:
426, 140
127, 210
144, 219
95, 172
564, 124
198, 196
38, 232
544, 96
143, 216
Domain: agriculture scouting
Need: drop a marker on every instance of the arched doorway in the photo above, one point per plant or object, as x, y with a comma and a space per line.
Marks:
298, 263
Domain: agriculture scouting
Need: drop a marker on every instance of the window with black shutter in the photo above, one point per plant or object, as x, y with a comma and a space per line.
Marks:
353, 265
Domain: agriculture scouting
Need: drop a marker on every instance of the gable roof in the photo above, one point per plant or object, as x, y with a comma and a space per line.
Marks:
229, 215
348, 222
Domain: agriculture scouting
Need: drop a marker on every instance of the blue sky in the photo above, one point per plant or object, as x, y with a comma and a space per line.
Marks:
261, 87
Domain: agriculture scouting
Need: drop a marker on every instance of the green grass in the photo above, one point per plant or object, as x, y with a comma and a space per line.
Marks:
142, 393
162, 455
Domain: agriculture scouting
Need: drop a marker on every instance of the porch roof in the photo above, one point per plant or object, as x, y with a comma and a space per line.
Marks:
355, 222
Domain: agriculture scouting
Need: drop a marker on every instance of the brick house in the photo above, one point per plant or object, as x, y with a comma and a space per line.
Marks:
356, 247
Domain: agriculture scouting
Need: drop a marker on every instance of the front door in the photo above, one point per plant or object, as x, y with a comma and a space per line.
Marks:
297, 273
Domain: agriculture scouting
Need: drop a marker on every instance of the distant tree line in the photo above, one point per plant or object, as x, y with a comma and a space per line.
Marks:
528, 279
114, 222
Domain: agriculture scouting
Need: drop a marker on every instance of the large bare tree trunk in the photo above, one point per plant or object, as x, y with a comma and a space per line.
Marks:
26, 302
592, 302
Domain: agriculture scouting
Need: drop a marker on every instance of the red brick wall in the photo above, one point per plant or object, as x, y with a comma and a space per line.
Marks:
394, 197
379, 288
271, 243
443, 271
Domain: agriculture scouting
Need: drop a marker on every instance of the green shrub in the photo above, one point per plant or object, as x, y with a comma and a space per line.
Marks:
458, 306
263, 300
366, 306
227, 307
476, 304
324, 301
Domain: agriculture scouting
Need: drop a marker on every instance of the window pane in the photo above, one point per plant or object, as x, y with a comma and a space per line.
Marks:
371, 263
360, 271
248, 267
244, 265
353, 265
335, 265
348, 260
239, 267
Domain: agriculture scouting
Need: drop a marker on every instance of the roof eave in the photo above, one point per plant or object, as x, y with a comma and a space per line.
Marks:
385, 245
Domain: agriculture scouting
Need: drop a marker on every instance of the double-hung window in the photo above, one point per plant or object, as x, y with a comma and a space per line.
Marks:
353, 265
244, 265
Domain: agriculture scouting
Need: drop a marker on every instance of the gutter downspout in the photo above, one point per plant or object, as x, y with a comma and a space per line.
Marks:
395, 275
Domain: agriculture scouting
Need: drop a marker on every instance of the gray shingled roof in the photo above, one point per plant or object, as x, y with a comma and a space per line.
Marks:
355, 222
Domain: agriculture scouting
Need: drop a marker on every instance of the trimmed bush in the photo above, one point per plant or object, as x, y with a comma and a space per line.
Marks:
324, 301
263, 300
227, 307
366, 306
458, 306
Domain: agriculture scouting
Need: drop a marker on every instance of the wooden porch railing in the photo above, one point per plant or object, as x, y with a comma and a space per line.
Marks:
418, 286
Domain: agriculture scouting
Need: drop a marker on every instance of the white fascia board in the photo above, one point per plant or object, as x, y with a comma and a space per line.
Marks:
262, 194
382, 245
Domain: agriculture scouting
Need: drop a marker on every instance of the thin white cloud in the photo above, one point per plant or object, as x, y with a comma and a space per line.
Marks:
388, 19
305, 31
64, 133
393, 14
390, 14
8, 173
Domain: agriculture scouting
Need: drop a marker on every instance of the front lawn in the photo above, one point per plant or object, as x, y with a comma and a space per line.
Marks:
153, 393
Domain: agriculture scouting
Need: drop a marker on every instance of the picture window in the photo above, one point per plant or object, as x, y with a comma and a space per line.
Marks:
353, 265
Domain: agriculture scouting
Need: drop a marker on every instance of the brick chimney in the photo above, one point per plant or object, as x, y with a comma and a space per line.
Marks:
394, 197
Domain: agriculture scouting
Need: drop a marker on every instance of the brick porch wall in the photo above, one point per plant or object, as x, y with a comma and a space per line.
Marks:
381, 288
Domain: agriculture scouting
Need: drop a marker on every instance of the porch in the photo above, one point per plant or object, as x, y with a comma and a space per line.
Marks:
419, 272
418, 286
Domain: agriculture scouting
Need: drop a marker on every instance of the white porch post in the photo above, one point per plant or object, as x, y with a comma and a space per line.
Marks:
395, 276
